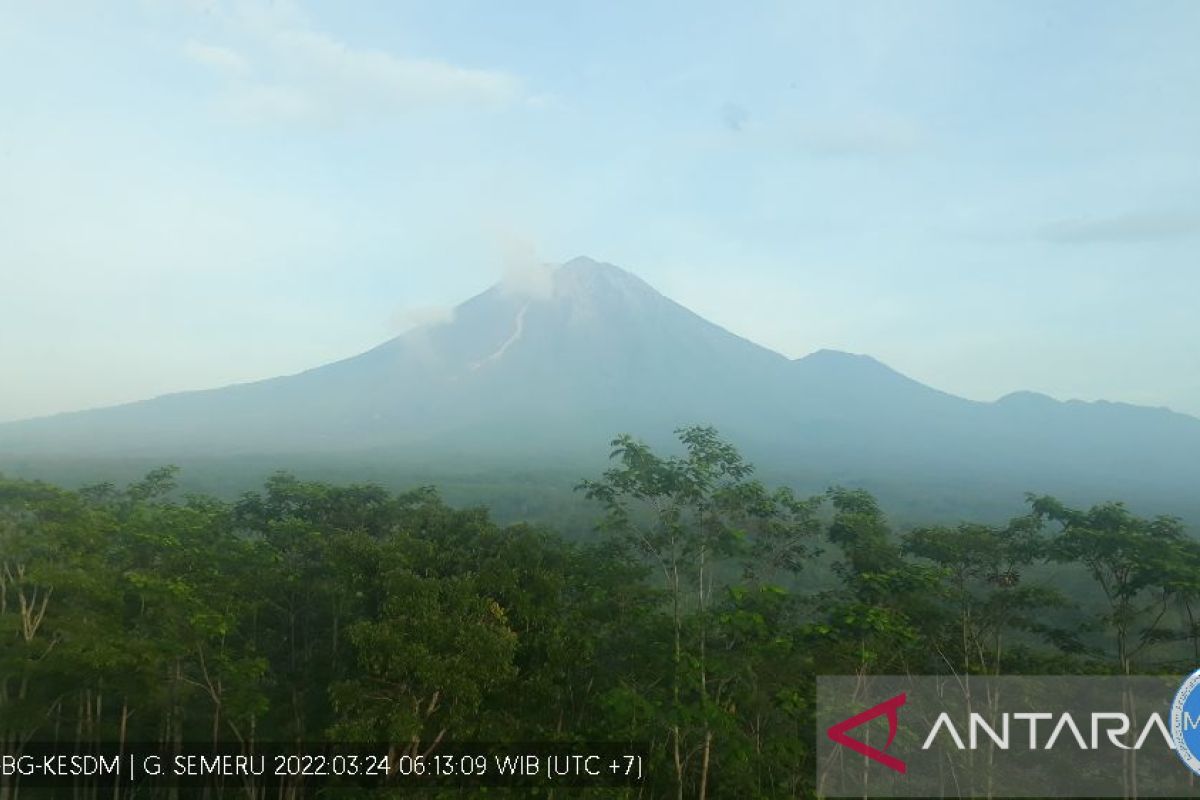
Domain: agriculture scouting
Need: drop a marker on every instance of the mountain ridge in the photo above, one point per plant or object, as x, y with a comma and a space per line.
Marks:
560, 360
583, 265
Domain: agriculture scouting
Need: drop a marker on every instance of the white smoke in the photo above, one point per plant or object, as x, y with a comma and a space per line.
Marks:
525, 275
407, 319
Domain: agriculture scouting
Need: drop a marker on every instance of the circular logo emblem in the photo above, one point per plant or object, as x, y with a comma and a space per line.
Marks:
1185, 722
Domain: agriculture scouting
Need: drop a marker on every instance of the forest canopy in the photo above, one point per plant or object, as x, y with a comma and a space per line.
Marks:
694, 621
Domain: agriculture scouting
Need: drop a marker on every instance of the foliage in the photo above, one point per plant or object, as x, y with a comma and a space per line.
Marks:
695, 622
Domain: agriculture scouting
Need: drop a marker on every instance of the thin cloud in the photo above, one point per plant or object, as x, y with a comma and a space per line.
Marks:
406, 319
218, 58
264, 103
375, 74
525, 275
302, 72
1141, 227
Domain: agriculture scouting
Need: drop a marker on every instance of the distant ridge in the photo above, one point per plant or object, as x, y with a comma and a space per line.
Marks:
562, 362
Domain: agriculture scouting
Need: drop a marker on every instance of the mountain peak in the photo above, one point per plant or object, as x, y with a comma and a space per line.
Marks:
1027, 399
862, 373
583, 276
844, 362
583, 266
586, 263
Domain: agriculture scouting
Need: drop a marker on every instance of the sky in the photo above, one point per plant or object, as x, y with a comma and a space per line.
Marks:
987, 196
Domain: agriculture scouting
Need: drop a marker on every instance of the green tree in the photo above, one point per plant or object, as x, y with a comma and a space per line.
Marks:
691, 516
1133, 561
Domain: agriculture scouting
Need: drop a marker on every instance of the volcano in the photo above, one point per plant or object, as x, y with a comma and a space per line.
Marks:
562, 362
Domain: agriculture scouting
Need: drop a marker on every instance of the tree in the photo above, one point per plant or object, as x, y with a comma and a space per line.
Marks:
985, 584
1132, 560
688, 516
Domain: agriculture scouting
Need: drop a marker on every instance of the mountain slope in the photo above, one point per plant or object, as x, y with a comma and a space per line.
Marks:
586, 351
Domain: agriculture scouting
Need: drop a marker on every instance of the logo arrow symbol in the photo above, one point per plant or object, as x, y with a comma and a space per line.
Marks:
889, 707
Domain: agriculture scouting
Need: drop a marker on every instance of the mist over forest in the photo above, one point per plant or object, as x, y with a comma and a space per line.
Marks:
692, 622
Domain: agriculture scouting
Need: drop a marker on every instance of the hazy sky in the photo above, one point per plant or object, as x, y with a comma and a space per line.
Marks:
986, 196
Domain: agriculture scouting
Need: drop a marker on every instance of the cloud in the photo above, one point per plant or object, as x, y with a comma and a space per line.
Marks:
525, 275
322, 60
1133, 227
302, 72
262, 102
406, 319
217, 58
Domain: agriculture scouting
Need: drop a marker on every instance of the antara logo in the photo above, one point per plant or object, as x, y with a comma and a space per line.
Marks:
890, 707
